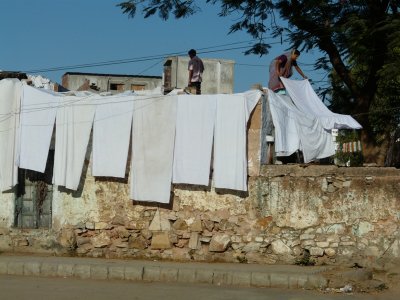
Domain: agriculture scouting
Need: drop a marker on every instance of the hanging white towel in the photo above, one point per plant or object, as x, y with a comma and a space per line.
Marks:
307, 101
316, 141
230, 155
10, 98
73, 126
38, 114
153, 138
111, 135
194, 137
295, 130
287, 140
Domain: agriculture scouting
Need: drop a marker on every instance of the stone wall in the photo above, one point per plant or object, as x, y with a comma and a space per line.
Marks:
291, 214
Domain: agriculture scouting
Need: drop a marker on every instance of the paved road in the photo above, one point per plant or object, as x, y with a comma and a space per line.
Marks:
39, 288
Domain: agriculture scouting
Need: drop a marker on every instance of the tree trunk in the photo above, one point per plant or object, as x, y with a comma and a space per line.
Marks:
374, 152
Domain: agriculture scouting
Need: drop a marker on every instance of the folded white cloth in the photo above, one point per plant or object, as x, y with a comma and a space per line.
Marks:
111, 135
10, 99
230, 139
73, 126
194, 138
307, 101
153, 138
38, 114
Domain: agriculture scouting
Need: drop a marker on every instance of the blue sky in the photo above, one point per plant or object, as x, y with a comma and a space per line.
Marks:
43, 34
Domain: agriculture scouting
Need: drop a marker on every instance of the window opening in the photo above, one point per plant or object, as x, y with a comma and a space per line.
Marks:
138, 87
34, 193
116, 86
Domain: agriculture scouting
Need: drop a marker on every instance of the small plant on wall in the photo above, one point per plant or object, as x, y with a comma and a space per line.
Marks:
305, 260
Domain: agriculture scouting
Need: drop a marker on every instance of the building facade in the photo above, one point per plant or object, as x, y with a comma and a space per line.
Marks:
113, 83
217, 77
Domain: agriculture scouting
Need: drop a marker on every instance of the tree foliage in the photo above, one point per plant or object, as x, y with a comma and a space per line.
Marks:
360, 40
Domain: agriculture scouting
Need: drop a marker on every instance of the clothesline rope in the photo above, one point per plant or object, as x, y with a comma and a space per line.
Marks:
46, 107
78, 102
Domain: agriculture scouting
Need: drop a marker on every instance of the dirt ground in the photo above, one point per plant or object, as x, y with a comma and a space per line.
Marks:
38, 288
363, 281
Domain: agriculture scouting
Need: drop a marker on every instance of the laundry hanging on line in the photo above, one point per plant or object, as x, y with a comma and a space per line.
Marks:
230, 139
308, 102
73, 126
194, 139
302, 122
10, 95
76, 113
111, 135
38, 114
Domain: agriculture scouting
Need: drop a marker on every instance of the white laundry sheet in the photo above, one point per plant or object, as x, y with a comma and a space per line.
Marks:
307, 101
10, 95
73, 126
295, 130
194, 138
38, 114
111, 135
287, 140
153, 138
230, 153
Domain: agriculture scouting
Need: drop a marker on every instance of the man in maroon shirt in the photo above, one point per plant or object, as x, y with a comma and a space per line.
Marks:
282, 66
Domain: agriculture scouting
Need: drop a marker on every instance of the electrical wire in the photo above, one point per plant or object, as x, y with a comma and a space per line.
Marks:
159, 58
141, 59
203, 50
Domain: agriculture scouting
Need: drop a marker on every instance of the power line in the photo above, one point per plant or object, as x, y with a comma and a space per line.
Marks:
140, 59
159, 56
81, 101
129, 98
204, 50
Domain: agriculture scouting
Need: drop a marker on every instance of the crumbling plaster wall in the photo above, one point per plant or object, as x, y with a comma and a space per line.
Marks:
348, 214
335, 215
6, 209
291, 213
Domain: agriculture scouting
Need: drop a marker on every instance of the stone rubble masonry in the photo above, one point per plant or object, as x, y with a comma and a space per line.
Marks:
289, 215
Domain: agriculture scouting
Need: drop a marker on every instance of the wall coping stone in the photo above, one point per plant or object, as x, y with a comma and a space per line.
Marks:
309, 170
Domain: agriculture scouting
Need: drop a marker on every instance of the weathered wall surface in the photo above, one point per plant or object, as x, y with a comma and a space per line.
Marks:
336, 215
292, 213
6, 209
218, 74
74, 81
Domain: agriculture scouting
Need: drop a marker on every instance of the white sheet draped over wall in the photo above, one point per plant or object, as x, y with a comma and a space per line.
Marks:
156, 156
73, 126
295, 130
38, 113
287, 140
111, 135
153, 138
315, 141
230, 155
307, 101
10, 95
194, 138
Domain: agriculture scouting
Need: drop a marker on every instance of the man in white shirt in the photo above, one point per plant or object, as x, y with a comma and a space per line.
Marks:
196, 68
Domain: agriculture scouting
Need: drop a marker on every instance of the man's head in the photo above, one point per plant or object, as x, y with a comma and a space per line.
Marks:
192, 53
295, 54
